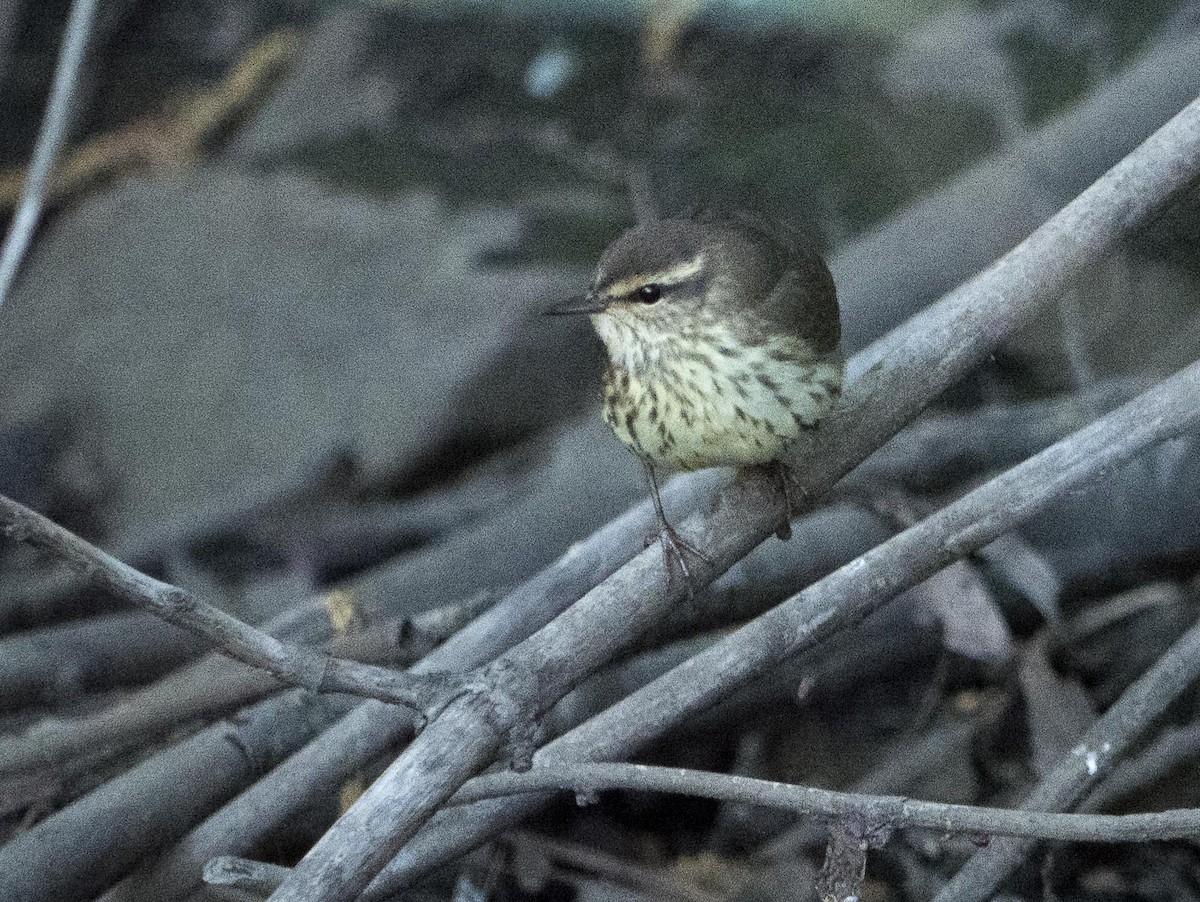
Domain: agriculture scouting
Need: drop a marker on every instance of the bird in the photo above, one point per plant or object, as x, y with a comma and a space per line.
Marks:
722, 331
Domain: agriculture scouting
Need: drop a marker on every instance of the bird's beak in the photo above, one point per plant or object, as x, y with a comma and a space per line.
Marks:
584, 303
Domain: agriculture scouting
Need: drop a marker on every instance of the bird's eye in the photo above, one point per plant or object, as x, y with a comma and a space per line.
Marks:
649, 294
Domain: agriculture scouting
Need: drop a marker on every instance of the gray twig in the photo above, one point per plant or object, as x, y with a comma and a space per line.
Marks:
50, 138
1102, 746
900, 766
991, 437
294, 664
878, 814
896, 812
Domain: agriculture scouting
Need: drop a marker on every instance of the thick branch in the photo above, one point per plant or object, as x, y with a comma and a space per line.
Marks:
990, 437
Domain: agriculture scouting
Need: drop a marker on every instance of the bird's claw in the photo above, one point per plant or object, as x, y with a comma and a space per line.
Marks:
674, 550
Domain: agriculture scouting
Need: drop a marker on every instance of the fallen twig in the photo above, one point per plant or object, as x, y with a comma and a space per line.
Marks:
297, 665
1104, 744
877, 812
50, 138
895, 812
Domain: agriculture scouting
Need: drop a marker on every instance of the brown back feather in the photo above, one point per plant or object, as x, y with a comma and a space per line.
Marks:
799, 297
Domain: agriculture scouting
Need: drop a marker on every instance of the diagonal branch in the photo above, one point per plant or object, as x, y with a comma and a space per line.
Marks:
1109, 738
902, 374
990, 437
294, 664
895, 812
339, 751
50, 138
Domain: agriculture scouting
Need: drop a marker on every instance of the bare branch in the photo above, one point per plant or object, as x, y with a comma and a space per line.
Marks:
878, 813
599, 556
50, 138
896, 812
1102, 746
987, 438
294, 664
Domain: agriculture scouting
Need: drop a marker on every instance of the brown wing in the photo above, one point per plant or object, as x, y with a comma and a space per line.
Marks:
801, 299
804, 302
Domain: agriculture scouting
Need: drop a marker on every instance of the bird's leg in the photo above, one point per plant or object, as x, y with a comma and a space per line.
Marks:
780, 471
673, 547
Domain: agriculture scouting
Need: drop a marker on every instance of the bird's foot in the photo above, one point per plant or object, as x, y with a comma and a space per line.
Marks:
675, 551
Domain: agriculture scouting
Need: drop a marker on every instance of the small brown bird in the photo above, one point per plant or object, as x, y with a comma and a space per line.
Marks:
722, 334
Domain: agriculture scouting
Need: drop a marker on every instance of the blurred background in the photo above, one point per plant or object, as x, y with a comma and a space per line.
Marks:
279, 330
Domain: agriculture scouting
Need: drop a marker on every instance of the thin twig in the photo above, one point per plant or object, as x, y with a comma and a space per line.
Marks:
984, 439
296, 665
50, 138
896, 812
879, 813
900, 765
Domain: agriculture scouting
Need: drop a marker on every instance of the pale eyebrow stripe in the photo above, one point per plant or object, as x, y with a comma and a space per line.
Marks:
674, 276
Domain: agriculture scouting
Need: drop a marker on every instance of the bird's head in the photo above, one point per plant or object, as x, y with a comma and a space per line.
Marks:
664, 279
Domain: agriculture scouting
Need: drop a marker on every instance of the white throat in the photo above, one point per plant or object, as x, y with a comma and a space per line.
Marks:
631, 346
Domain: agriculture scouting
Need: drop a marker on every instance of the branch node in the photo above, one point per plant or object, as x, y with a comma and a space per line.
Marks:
850, 837
175, 599
506, 692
